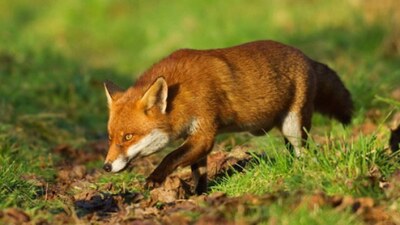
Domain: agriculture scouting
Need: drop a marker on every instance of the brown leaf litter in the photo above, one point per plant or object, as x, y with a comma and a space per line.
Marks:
174, 202
180, 184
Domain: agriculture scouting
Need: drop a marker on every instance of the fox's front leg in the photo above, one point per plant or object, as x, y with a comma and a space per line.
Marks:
195, 148
199, 173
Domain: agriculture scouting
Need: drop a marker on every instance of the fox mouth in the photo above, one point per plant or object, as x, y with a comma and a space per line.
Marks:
117, 165
120, 164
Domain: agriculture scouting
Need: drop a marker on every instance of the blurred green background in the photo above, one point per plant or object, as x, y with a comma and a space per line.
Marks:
54, 56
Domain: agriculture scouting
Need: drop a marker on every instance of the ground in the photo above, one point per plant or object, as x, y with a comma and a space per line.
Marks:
54, 56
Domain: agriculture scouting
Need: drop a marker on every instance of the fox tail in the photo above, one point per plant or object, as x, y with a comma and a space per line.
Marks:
332, 97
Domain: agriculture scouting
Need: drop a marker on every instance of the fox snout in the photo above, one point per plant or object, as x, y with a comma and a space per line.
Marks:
117, 165
107, 167
117, 159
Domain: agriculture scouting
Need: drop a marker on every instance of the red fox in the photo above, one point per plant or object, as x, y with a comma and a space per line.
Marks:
196, 94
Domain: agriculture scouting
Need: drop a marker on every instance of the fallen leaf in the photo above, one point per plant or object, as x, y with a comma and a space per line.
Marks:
392, 185
16, 216
366, 128
141, 213
362, 205
396, 94
216, 198
85, 195
108, 186
34, 179
373, 114
181, 206
74, 156
213, 220
315, 201
79, 171
172, 189
63, 174
223, 162
176, 218
63, 218
142, 222
376, 215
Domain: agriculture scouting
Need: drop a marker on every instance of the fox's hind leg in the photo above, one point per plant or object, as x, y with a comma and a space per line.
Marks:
296, 124
291, 130
294, 128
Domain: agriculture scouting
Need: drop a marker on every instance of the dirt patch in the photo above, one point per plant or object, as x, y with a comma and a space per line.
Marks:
79, 156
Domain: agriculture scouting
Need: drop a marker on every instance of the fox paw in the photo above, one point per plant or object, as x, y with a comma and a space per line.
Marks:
151, 184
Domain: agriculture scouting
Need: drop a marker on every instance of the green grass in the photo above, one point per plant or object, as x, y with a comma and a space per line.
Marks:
54, 56
122, 181
17, 160
281, 213
14, 190
345, 167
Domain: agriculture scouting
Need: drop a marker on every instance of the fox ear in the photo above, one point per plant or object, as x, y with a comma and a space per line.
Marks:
156, 95
112, 91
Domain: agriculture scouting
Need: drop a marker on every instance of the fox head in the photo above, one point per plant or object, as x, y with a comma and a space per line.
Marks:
137, 125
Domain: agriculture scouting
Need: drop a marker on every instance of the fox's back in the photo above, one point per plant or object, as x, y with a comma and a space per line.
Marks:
244, 85
264, 77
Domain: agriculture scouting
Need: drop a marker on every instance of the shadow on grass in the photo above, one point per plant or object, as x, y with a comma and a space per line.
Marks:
102, 204
239, 167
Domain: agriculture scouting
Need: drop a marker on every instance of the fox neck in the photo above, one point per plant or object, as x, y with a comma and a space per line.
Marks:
183, 127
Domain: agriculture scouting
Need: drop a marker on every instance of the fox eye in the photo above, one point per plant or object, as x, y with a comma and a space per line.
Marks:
128, 137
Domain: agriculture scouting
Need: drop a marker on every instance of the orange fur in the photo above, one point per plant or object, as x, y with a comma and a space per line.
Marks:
251, 87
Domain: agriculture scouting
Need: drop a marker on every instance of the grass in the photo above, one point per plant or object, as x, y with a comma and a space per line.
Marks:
13, 189
342, 167
55, 55
278, 213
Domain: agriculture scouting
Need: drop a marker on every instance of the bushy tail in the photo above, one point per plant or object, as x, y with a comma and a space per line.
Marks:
332, 97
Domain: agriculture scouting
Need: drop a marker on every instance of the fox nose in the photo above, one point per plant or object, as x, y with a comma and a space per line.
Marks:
107, 167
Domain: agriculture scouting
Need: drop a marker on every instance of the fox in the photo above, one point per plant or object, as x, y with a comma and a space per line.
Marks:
195, 95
